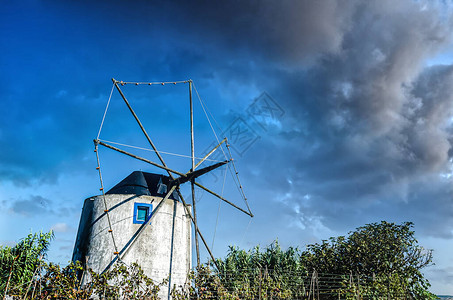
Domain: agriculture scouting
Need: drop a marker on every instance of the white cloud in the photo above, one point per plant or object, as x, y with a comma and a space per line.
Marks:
61, 227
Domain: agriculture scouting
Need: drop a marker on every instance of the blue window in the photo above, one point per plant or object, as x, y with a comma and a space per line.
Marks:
142, 212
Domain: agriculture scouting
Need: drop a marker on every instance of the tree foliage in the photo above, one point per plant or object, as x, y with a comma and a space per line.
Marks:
19, 264
376, 261
387, 253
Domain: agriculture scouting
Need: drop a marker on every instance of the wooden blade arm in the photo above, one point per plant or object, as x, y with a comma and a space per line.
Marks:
192, 175
209, 154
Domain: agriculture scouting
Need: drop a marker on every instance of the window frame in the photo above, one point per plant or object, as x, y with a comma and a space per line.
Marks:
137, 206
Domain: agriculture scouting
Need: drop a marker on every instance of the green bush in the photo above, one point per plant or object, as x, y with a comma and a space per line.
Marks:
21, 263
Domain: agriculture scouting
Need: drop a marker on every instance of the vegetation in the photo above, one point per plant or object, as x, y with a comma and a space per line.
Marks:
387, 257
377, 261
270, 273
20, 264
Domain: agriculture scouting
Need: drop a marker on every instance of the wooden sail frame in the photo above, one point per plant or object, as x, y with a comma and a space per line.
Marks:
175, 182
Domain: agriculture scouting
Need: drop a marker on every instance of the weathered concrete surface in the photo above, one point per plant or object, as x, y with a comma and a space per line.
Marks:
151, 249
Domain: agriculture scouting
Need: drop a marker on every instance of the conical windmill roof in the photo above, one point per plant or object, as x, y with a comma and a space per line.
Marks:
143, 183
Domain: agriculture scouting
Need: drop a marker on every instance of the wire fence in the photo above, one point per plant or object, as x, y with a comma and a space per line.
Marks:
257, 283
273, 284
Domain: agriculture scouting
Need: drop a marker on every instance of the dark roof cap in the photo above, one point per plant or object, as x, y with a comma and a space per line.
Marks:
143, 183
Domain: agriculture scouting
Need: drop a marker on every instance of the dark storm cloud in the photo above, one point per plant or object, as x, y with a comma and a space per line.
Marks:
366, 134
368, 128
384, 124
287, 30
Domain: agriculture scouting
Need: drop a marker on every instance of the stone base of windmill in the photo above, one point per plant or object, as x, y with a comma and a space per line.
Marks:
162, 248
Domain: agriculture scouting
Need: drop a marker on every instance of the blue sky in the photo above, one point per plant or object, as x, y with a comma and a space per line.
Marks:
361, 131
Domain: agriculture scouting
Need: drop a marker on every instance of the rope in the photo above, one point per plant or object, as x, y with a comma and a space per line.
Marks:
207, 117
105, 112
204, 105
246, 230
152, 83
238, 181
218, 211
106, 209
151, 150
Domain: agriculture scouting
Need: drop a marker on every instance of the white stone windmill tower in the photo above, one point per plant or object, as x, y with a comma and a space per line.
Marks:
145, 218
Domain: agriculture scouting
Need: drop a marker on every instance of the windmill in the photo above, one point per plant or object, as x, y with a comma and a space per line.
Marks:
167, 188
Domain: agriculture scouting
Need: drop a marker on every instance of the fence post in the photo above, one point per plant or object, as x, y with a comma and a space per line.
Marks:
259, 290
